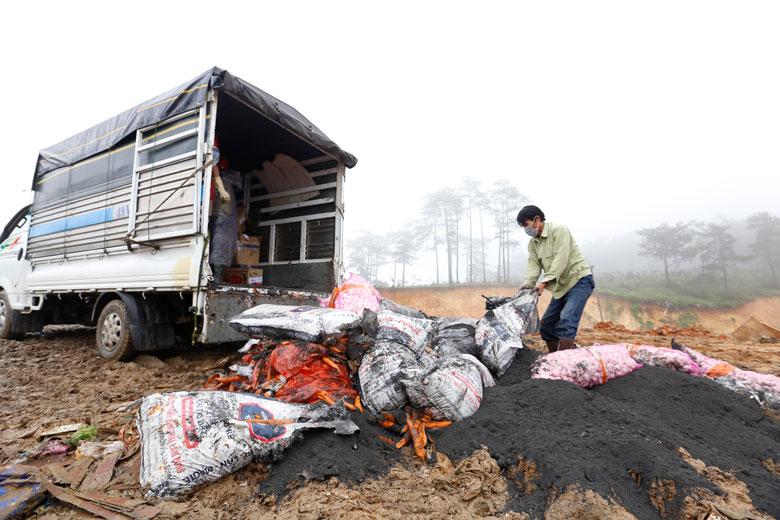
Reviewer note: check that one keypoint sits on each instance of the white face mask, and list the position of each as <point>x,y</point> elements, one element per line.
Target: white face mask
<point>531,231</point>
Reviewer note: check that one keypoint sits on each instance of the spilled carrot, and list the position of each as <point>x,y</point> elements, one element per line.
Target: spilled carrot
<point>330,362</point>
<point>434,425</point>
<point>386,440</point>
<point>403,442</point>
<point>325,397</point>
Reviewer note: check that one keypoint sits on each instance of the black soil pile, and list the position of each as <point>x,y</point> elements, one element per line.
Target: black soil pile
<point>322,454</point>
<point>620,438</point>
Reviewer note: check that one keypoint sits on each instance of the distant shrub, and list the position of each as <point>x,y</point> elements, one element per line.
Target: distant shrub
<point>687,290</point>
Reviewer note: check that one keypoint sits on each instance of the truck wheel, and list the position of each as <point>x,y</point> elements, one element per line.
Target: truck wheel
<point>113,332</point>
<point>5,318</point>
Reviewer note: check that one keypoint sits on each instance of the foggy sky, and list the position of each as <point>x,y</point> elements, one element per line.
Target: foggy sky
<point>611,116</point>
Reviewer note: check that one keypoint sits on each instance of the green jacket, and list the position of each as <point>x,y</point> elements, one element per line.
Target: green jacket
<point>556,253</point>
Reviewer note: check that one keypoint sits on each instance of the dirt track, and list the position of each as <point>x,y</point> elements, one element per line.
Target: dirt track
<point>58,380</point>
<point>61,380</point>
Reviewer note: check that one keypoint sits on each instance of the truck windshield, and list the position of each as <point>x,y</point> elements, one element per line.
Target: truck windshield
<point>15,222</point>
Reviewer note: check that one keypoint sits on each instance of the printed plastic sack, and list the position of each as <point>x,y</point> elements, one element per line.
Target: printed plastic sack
<point>765,398</point>
<point>188,438</point>
<point>384,373</point>
<point>303,373</point>
<point>500,331</point>
<point>451,388</point>
<point>413,333</point>
<point>764,388</point>
<point>585,367</point>
<point>664,357</point>
<point>494,302</point>
<point>711,367</point>
<point>389,305</point>
<point>757,381</point>
<point>355,294</point>
<point>454,336</point>
<point>305,323</point>
<point>361,338</point>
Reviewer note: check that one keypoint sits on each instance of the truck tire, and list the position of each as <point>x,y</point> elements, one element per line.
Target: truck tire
<point>6,321</point>
<point>113,332</point>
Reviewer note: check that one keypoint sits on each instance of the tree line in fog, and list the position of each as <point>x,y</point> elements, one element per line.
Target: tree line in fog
<point>470,231</point>
<point>468,234</point>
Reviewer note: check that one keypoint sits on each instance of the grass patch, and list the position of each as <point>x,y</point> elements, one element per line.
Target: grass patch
<point>686,290</point>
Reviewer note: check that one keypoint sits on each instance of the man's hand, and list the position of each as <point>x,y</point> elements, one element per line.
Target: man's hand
<point>541,286</point>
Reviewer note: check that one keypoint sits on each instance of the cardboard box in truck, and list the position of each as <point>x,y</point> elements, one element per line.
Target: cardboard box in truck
<point>248,250</point>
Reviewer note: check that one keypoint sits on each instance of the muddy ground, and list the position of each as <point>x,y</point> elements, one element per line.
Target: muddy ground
<point>47,381</point>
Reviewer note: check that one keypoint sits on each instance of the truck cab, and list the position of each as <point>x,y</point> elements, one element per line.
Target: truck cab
<point>131,231</point>
<point>14,268</point>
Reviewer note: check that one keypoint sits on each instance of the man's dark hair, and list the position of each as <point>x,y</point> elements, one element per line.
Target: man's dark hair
<point>529,213</point>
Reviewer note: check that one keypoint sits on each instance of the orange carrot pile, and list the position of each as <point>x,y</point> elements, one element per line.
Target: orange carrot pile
<point>413,430</point>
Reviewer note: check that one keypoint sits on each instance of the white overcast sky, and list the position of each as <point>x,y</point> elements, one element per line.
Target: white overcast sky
<point>609,115</point>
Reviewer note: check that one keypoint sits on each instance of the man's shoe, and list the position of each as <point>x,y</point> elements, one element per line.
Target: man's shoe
<point>566,344</point>
<point>552,345</point>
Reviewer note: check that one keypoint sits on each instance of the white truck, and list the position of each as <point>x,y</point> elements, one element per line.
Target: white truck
<point>118,233</point>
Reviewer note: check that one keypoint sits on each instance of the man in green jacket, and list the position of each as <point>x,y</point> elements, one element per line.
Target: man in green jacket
<point>567,276</point>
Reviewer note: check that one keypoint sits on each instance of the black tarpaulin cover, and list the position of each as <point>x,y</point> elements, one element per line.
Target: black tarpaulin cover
<point>187,96</point>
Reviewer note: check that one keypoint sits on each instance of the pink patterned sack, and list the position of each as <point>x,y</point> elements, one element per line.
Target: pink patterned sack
<point>585,367</point>
<point>711,367</point>
<point>677,360</point>
<point>764,388</point>
<point>757,381</point>
<point>355,294</point>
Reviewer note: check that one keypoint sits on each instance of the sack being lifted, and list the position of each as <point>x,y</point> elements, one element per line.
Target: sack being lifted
<point>188,438</point>
<point>499,333</point>
<point>305,323</point>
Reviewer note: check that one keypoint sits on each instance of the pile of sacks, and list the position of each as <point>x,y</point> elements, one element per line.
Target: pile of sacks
<point>428,363</point>
<point>300,369</point>
<point>442,365</point>
<point>402,357</point>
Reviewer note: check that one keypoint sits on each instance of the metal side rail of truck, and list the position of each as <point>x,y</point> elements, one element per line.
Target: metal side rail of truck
<point>121,231</point>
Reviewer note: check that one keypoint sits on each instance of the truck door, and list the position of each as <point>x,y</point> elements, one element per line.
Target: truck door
<point>168,178</point>
<point>14,267</point>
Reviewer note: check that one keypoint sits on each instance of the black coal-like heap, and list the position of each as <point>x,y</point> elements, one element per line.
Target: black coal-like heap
<point>636,423</point>
<point>593,438</point>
